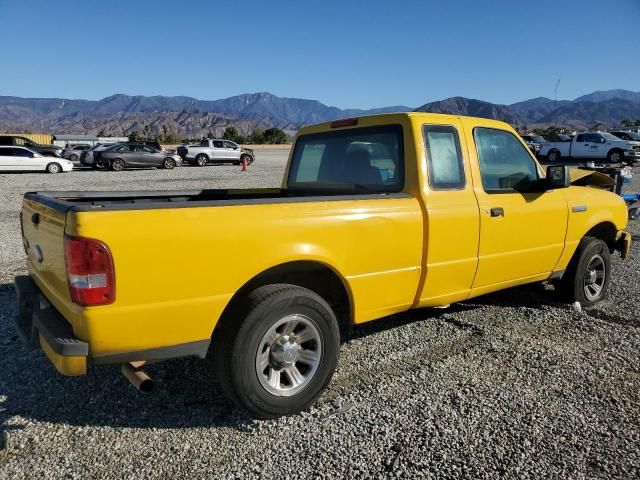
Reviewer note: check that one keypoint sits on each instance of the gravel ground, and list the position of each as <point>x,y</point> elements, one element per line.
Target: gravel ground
<point>514,384</point>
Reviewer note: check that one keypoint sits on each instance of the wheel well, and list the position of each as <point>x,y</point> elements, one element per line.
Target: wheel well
<point>315,276</point>
<point>605,231</point>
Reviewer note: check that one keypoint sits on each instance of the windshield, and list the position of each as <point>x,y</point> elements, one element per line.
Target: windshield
<point>609,137</point>
<point>358,159</point>
<point>632,135</point>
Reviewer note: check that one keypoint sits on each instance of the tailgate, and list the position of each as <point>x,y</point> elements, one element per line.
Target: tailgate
<point>43,236</point>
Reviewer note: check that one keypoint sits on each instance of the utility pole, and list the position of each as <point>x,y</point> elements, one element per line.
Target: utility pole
<point>555,104</point>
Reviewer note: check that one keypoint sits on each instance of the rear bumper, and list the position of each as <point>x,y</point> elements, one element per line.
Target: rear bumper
<point>39,324</point>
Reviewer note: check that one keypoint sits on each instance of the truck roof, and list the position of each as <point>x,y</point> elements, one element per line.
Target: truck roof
<point>387,118</point>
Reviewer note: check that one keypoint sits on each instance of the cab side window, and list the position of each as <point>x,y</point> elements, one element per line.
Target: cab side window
<point>444,157</point>
<point>505,164</point>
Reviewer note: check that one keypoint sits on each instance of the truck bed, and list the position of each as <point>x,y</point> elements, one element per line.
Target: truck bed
<point>141,200</point>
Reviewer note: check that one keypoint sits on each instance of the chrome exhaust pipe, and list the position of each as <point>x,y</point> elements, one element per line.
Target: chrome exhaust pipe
<point>137,377</point>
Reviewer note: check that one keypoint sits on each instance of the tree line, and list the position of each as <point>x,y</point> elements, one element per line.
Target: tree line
<point>270,136</point>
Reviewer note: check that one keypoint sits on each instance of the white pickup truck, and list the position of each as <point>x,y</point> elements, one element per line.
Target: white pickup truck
<point>215,151</point>
<point>592,146</point>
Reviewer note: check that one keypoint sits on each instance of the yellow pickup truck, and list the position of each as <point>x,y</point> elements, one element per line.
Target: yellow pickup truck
<point>376,215</point>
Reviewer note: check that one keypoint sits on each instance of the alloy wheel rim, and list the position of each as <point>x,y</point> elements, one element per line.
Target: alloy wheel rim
<point>594,278</point>
<point>288,356</point>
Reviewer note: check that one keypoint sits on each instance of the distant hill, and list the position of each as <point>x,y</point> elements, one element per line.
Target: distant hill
<point>474,108</point>
<point>121,114</point>
<point>190,117</point>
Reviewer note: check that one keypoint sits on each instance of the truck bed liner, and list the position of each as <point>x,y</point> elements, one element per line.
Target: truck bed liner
<point>142,200</point>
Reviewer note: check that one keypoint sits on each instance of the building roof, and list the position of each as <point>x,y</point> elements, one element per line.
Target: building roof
<point>88,138</point>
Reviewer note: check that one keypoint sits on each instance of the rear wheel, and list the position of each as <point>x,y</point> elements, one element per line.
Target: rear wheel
<point>73,157</point>
<point>168,163</point>
<point>615,156</point>
<point>589,273</point>
<point>277,353</point>
<point>54,168</point>
<point>201,160</point>
<point>553,156</point>
<point>117,165</point>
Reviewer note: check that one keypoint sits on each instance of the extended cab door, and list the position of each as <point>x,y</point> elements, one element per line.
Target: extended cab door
<point>588,145</point>
<point>522,231</point>
<point>452,223</point>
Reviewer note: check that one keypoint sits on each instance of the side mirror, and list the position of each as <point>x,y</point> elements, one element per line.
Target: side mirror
<point>558,176</point>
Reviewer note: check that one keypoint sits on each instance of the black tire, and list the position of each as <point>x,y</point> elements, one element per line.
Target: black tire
<point>592,255</point>
<point>117,165</point>
<point>615,156</point>
<point>242,334</point>
<point>54,167</point>
<point>168,163</point>
<point>202,160</point>
<point>554,156</point>
<point>248,158</point>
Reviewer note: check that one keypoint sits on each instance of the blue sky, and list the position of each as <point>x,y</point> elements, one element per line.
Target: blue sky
<point>345,53</point>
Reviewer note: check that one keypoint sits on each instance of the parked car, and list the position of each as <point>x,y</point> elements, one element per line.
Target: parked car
<point>215,151</point>
<point>558,137</point>
<point>21,159</point>
<point>73,152</point>
<point>87,158</point>
<point>595,146</point>
<point>534,142</point>
<point>361,229</point>
<point>631,137</point>
<point>46,150</point>
<point>132,155</point>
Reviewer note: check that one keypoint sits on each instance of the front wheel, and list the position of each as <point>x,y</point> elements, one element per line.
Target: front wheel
<point>248,158</point>
<point>54,168</point>
<point>589,273</point>
<point>168,163</point>
<point>278,351</point>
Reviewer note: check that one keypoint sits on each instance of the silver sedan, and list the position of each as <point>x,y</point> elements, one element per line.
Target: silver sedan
<point>137,155</point>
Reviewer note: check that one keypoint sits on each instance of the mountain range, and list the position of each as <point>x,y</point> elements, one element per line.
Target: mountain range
<point>189,117</point>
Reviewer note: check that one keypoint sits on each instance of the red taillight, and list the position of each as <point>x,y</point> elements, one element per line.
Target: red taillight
<point>347,122</point>
<point>90,271</point>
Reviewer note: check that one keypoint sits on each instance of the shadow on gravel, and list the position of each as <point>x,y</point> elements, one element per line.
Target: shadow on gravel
<point>187,394</point>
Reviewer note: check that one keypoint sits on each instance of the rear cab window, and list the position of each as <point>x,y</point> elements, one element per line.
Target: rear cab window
<point>444,157</point>
<point>362,160</point>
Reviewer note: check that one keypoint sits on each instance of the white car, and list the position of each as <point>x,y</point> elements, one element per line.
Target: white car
<point>596,146</point>
<point>21,159</point>
<point>215,150</point>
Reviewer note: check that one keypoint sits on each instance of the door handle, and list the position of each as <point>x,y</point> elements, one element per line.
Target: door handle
<point>497,212</point>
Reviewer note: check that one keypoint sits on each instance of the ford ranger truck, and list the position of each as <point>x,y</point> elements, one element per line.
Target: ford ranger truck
<point>376,215</point>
